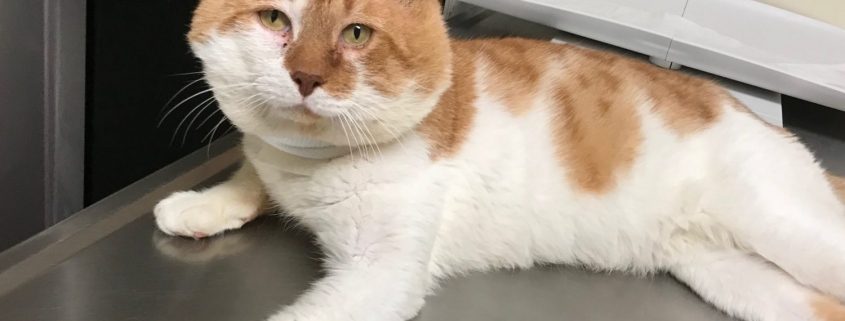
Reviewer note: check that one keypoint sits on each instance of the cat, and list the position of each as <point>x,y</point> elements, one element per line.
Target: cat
<point>412,157</point>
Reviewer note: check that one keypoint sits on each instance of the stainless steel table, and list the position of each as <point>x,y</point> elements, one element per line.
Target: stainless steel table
<point>110,263</point>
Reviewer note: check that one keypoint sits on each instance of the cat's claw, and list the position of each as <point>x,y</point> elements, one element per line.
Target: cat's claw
<point>202,214</point>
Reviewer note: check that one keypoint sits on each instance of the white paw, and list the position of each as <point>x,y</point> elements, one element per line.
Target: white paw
<point>203,214</point>
<point>325,313</point>
<point>283,316</point>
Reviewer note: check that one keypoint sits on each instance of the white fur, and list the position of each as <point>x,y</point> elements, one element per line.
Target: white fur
<point>746,286</point>
<point>718,208</point>
<point>212,211</point>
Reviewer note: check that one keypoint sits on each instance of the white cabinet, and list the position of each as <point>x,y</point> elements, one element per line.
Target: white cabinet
<point>748,41</point>
<point>637,25</point>
<point>830,11</point>
<point>766,46</point>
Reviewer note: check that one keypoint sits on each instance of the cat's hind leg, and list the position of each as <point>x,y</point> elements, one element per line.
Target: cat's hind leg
<point>777,201</point>
<point>748,287</point>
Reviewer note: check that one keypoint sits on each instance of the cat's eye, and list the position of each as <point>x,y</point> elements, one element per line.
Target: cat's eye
<point>274,20</point>
<point>357,34</point>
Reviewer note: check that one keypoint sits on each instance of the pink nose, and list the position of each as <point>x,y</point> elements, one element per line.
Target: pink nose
<point>307,82</point>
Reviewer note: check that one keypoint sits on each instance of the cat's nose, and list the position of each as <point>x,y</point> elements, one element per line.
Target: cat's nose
<point>307,82</point>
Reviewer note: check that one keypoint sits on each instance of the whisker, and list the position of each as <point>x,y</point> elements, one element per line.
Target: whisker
<point>186,73</point>
<point>208,118</point>
<point>204,121</point>
<point>359,137</point>
<point>373,142</point>
<point>348,142</point>
<point>179,92</point>
<point>240,85</point>
<point>389,129</point>
<point>355,132</point>
<point>256,104</point>
<point>356,148</point>
<point>209,102</point>
<point>180,104</point>
<point>229,130</point>
<point>211,136</point>
<point>188,115</point>
<point>211,133</point>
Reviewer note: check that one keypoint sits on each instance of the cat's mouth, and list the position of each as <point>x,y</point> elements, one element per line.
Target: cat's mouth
<point>303,114</point>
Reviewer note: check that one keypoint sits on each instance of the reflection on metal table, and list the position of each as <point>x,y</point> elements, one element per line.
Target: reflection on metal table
<point>110,263</point>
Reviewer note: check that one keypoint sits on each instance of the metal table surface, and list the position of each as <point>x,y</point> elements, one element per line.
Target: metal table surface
<point>110,263</point>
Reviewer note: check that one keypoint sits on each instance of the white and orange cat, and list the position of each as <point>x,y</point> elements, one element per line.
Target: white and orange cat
<point>413,157</point>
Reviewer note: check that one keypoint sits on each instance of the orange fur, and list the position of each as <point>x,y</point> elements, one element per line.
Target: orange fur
<point>514,70</point>
<point>410,48</point>
<point>448,125</point>
<point>316,50</point>
<point>223,16</point>
<point>838,184</point>
<point>828,309</point>
<point>404,47</point>
<point>597,126</point>
<point>687,103</point>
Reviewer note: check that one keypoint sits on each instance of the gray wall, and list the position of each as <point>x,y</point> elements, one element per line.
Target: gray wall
<point>41,107</point>
<point>64,108</point>
<point>21,120</point>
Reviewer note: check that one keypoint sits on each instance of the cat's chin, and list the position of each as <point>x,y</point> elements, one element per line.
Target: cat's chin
<point>300,114</point>
<point>305,114</point>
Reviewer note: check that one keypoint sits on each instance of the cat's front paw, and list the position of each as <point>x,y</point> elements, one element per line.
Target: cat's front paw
<point>283,316</point>
<point>327,314</point>
<point>203,214</point>
<point>295,316</point>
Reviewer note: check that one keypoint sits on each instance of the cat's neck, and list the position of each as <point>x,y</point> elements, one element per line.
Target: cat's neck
<point>305,147</point>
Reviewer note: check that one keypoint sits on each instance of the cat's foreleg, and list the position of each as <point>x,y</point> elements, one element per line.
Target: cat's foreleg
<point>208,212</point>
<point>378,247</point>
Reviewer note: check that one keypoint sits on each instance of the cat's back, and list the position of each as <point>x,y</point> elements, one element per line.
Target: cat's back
<point>518,70</point>
<point>593,113</point>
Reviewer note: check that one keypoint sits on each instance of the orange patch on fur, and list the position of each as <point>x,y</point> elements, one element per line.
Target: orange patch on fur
<point>838,184</point>
<point>407,45</point>
<point>599,129</point>
<point>514,70</point>
<point>828,309</point>
<point>385,71</point>
<point>686,103</point>
<point>316,50</point>
<point>596,123</point>
<point>223,15</point>
<point>448,125</point>
<point>410,48</point>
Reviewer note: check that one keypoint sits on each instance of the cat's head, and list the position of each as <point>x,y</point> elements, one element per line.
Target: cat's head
<point>324,67</point>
